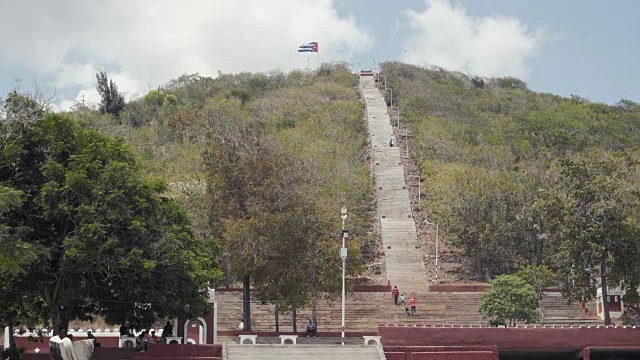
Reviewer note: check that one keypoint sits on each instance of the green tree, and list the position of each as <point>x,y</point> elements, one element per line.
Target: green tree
<point>592,215</point>
<point>13,251</point>
<point>277,235</point>
<point>111,244</point>
<point>17,306</point>
<point>112,101</point>
<point>509,299</point>
<point>538,276</point>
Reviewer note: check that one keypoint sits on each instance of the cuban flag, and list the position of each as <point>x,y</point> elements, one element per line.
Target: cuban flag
<point>309,47</point>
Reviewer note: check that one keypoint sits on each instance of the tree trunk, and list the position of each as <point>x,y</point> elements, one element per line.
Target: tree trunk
<point>246,303</point>
<point>276,314</point>
<point>605,303</point>
<point>13,350</point>
<point>60,320</point>
<point>314,315</point>
<point>225,268</point>
<point>294,316</point>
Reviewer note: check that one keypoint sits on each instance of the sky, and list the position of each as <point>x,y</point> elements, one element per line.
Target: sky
<point>583,47</point>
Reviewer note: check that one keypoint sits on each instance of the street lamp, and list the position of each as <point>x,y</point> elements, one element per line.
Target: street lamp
<point>343,256</point>
<point>437,228</point>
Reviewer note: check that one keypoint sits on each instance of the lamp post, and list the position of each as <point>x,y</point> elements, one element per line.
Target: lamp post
<point>343,256</point>
<point>437,228</point>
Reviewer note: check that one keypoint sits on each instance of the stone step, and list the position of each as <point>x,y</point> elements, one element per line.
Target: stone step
<point>301,340</point>
<point>291,352</point>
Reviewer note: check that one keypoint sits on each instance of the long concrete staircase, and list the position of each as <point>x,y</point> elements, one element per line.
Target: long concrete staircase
<point>365,311</point>
<point>299,352</point>
<point>403,259</point>
<point>404,263</point>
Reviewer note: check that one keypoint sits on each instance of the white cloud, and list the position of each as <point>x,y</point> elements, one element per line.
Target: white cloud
<point>445,35</point>
<point>144,43</point>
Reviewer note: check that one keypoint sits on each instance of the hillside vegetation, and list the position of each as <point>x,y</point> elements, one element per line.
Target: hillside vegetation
<point>502,164</point>
<point>305,125</point>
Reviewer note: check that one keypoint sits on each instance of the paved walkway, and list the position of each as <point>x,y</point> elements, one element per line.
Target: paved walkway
<point>403,258</point>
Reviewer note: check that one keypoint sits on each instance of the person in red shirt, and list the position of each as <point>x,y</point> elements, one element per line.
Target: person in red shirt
<point>395,293</point>
<point>414,305</point>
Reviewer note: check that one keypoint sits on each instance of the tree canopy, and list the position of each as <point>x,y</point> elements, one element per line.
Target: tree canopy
<point>509,300</point>
<point>108,242</point>
<point>112,101</point>
<point>592,214</point>
<point>488,155</point>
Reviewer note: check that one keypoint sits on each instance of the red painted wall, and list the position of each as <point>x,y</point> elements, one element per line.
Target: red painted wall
<point>43,343</point>
<point>441,353</point>
<point>455,288</point>
<point>511,339</point>
<point>193,332</point>
<point>466,355</point>
<point>178,329</point>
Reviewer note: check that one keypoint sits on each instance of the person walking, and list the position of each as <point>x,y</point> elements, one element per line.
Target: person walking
<point>402,299</point>
<point>414,306</point>
<point>395,293</point>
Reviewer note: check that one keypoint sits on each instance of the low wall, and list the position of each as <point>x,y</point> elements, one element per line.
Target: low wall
<point>177,352</point>
<point>42,343</point>
<point>354,288</point>
<point>475,288</point>
<point>154,351</point>
<point>528,338</point>
<point>441,352</point>
<point>99,353</point>
<point>350,334</point>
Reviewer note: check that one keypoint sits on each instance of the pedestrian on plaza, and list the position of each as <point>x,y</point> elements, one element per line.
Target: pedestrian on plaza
<point>167,331</point>
<point>90,336</point>
<point>395,293</point>
<point>414,306</point>
<point>311,329</point>
<point>153,339</point>
<point>402,299</point>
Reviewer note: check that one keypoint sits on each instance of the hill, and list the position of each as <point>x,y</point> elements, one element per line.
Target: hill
<point>487,152</point>
<point>314,116</point>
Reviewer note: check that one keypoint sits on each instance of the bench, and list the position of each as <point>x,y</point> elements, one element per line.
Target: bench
<point>125,339</point>
<point>253,338</point>
<point>375,339</point>
<point>173,340</point>
<point>284,338</point>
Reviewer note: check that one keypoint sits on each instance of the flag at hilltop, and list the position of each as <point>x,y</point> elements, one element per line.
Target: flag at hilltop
<point>309,47</point>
